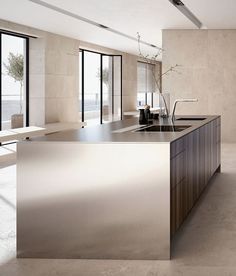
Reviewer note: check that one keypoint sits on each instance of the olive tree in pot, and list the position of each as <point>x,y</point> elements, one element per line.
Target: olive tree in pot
<point>105,80</point>
<point>15,69</point>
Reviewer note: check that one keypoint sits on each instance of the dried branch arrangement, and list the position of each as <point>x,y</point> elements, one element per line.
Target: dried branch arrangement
<point>157,77</point>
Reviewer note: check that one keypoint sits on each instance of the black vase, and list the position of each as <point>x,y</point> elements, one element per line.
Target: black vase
<point>142,117</point>
<point>147,114</point>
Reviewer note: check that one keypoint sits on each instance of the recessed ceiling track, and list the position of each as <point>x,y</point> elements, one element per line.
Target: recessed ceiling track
<point>78,17</point>
<point>181,7</point>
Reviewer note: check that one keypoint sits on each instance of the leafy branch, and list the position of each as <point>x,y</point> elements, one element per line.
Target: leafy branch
<point>15,69</point>
<point>105,75</point>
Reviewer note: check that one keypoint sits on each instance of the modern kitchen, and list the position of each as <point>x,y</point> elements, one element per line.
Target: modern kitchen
<point>117,139</point>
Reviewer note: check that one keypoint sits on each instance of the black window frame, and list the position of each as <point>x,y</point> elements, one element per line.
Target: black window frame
<point>101,82</point>
<point>2,32</point>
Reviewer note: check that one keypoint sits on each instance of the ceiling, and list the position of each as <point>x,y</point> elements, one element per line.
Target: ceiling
<point>148,17</point>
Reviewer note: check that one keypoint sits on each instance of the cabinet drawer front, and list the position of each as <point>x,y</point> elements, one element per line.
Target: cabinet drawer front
<point>177,147</point>
<point>178,169</point>
<point>194,159</point>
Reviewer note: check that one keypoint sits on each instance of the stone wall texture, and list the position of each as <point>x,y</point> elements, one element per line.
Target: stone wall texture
<point>207,72</point>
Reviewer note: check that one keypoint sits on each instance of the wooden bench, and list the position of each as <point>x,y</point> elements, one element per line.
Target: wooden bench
<point>21,133</point>
<point>33,131</point>
<point>8,155</point>
<point>56,127</point>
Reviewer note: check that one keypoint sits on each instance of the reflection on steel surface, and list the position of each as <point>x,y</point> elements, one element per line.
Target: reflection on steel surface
<point>77,200</point>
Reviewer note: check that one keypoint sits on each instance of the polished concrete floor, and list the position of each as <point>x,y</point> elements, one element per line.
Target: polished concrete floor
<point>205,245</point>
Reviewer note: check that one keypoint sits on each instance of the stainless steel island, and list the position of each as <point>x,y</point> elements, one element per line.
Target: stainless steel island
<point>110,192</point>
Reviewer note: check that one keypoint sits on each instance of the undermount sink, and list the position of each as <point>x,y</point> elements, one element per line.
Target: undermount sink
<point>190,119</point>
<point>162,128</point>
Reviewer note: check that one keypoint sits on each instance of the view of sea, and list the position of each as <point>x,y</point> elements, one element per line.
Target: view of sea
<point>9,107</point>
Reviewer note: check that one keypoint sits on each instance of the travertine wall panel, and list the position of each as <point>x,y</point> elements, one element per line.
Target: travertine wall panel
<point>207,72</point>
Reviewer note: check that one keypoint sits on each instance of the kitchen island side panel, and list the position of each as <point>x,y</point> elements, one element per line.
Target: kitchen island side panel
<point>93,200</point>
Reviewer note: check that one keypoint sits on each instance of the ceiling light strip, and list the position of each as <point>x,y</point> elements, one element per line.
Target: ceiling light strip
<point>81,18</point>
<point>184,10</point>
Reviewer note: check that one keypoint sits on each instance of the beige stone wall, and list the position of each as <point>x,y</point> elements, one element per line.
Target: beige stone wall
<point>208,72</point>
<point>54,75</point>
<point>61,79</point>
<point>37,81</point>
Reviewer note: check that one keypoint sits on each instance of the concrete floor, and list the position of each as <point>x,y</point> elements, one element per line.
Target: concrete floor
<point>205,245</point>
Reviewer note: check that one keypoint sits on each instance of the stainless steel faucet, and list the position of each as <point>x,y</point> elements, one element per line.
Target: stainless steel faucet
<point>180,100</point>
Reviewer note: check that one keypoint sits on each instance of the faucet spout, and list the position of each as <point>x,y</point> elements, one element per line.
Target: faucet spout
<point>180,100</point>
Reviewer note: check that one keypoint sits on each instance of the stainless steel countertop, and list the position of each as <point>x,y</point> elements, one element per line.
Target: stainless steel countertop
<point>105,133</point>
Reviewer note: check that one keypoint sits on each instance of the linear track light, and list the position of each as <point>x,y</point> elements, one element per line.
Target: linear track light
<point>78,17</point>
<point>182,8</point>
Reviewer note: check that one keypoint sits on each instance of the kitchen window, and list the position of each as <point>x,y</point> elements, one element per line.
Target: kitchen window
<point>145,83</point>
<point>14,80</point>
<point>100,82</point>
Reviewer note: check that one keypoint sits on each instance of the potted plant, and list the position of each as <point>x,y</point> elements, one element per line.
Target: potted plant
<point>105,80</point>
<point>15,69</point>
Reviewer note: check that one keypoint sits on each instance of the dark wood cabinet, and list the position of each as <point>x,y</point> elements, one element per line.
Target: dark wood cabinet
<point>194,160</point>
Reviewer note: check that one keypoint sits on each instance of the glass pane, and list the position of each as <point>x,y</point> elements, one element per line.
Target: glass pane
<point>92,88</point>
<point>110,78</point>
<point>107,88</point>
<point>111,88</point>
<point>13,82</point>
<point>149,99</point>
<point>141,101</point>
<point>80,84</point>
<point>150,78</point>
<point>117,88</point>
<point>142,77</point>
<point>145,83</point>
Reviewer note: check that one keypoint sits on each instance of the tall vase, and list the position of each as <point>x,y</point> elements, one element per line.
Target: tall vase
<point>164,103</point>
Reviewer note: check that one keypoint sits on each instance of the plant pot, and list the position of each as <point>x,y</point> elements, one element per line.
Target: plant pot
<point>17,120</point>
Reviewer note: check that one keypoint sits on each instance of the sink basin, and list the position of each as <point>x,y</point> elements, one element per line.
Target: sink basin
<point>162,128</point>
<point>190,119</point>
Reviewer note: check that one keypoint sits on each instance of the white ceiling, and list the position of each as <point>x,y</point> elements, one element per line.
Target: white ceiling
<point>148,17</point>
